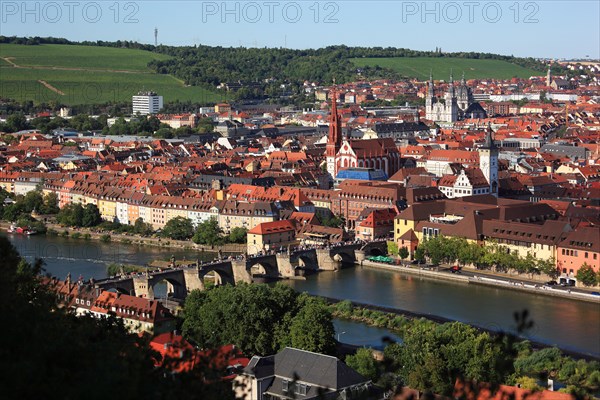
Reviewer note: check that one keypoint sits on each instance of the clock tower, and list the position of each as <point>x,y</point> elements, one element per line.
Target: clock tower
<point>488,160</point>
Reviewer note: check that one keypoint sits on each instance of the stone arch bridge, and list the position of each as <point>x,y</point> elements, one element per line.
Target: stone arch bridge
<point>183,279</point>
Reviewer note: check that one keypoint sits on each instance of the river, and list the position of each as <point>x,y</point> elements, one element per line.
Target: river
<point>568,324</point>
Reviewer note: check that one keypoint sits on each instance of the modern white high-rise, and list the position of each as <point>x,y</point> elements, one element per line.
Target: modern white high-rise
<point>146,103</point>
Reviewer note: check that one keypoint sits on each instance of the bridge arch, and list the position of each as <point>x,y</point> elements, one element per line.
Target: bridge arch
<point>262,267</point>
<point>307,261</point>
<point>217,276</point>
<point>119,289</point>
<point>346,257</point>
<point>169,287</point>
<point>375,251</point>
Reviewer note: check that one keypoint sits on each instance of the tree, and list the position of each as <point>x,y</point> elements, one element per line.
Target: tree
<point>178,228</point>
<point>586,275</point>
<point>420,254</point>
<point>432,356</point>
<point>70,215</point>
<point>392,248</point>
<point>548,267</point>
<point>312,328</point>
<point>364,363</point>
<point>16,122</point>
<point>403,252</point>
<point>469,253</point>
<point>205,125</point>
<point>142,228</point>
<point>32,201</point>
<point>48,350</point>
<point>238,235</point>
<point>208,232</point>
<point>91,216</point>
<point>249,316</point>
<point>335,221</point>
<point>50,204</point>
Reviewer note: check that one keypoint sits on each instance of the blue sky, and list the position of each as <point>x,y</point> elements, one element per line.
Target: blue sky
<point>555,29</point>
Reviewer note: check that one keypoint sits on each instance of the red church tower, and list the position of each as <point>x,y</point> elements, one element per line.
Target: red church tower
<point>334,138</point>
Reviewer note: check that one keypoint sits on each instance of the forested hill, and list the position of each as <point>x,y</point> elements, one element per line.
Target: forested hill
<point>268,68</point>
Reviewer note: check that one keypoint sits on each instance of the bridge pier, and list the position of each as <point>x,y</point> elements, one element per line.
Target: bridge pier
<point>360,256</point>
<point>284,266</point>
<point>191,277</point>
<point>326,262</point>
<point>142,287</point>
<point>240,273</point>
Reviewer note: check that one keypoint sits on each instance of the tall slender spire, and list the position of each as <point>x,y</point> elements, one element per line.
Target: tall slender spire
<point>335,122</point>
<point>451,85</point>
<point>489,139</point>
<point>430,85</point>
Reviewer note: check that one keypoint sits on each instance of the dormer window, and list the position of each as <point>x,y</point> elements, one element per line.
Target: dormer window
<point>301,389</point>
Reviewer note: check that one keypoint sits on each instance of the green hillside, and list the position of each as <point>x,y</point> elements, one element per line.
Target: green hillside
<point>87,75</point>
<point>419,67</point>
<point>73,56</point>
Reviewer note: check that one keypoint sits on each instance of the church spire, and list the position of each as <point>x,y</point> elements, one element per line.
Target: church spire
<point>462,81</point>
<point>451,92</point>
<point>489,139</point>
<point>430,86</point>
<point>335,122</point>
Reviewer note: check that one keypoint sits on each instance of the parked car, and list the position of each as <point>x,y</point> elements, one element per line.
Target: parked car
<point>551,283</point>
<point>595,293</point>
<point>455,269</point>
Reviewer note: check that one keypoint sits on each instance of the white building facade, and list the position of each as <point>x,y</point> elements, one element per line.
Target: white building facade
<point>145,103</point>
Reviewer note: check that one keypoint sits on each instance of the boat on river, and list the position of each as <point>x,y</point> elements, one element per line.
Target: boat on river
<point>21,230</point>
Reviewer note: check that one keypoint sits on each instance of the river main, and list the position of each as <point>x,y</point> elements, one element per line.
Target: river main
<point>568,324</point>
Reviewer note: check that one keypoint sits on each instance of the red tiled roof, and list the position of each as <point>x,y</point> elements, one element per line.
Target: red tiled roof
<point>272,227</point>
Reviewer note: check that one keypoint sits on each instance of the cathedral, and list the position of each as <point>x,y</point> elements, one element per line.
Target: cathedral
<point>342,153</point>
<point>456,104</point>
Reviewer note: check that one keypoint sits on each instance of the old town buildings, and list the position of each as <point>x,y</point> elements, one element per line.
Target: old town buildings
<point>526,176</point>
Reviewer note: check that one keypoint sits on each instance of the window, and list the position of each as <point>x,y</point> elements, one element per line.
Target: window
<point>301,389</point>
<point>586,254</point>
<point>284,385</point>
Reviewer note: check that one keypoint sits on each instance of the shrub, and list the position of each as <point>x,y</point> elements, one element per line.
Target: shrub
<point>105,238</point>
<point>76,235</point>
<point>344,307</point>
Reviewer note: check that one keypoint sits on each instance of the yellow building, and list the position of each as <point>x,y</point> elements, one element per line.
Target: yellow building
<point>271,235</point>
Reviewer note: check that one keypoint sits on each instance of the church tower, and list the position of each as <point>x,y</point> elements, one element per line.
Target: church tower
<point>488,161</point>
<point>451,109</point>
<point>430,99</point>
<point>548,78</point>
<point>334,138</point>
<point>464,97</point>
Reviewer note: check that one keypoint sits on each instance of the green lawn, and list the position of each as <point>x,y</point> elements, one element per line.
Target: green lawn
<point>419,67</point>
<point>89,57</point>
<point>88,86</point>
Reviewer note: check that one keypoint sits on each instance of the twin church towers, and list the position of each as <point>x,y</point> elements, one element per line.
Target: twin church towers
<point>456,104</point>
